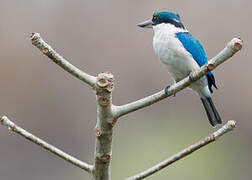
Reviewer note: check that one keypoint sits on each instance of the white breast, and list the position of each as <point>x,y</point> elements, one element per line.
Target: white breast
<point>173,55</point>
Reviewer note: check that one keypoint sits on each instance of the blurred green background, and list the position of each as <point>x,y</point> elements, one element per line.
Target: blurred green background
<point>100,36</point>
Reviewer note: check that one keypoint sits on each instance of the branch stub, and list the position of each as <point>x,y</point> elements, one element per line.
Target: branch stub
<point>35,37</point>
<point>97,132</point>
<point>210,67</point>
<point>106,80</point>
<point>232,123</point>
<point>236,44</point>
<point>104,157</point>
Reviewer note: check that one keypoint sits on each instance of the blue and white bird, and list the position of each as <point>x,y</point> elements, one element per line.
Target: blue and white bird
<point>181,53</point>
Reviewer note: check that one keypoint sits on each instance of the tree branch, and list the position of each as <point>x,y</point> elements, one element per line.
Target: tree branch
<point>104,126</point>
<point>62,62</point>
<point>230,125</point>
<point>15,128</point>
<point>232,47</point>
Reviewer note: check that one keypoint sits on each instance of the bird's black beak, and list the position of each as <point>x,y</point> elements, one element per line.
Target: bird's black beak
<point>146,24</point>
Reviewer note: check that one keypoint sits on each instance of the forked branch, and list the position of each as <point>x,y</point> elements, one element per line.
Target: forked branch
<point>15,128</point>
<point>230,125</point>
<point>107,113</point>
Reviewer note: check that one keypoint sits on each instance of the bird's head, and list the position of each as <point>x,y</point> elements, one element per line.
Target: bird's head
<point>163,17</point>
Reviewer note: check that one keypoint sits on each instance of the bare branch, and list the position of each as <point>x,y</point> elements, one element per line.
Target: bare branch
<point>232,47</point>
<point>104,126</point>
<point>62,62</point>
<point>230,125</point>
<point>13,127</point>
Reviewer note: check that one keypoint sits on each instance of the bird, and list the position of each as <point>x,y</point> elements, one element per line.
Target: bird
<point>181,53</point>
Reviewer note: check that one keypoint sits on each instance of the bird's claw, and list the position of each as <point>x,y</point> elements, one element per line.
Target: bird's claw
<point>191,76</point>
<point>166,90</point>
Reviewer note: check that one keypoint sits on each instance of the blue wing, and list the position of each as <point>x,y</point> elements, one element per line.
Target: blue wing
<point>193,46</point>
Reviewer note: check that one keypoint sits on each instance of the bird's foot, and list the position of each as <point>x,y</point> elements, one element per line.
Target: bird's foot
<point>166,90</point>
<point>191,76</point>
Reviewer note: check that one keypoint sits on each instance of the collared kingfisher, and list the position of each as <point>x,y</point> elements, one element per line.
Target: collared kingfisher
<point>181,53</point>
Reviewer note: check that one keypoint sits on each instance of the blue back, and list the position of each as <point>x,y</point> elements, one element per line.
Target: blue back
<point>193,46</point>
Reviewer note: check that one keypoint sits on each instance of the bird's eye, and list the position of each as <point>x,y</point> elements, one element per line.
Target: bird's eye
<point>154,18</point>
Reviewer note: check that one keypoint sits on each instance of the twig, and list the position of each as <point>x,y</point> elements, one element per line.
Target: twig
<point>230,125</point>
<point>62,62</point>
<point>232,47</point>
<point>15,128</point>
